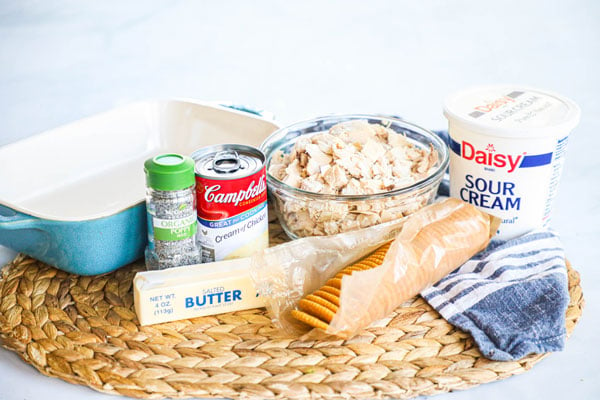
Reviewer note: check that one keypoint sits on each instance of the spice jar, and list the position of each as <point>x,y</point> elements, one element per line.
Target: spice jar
<point>171,212</point>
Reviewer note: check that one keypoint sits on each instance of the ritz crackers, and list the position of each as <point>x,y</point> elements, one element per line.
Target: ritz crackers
<point>231,191</point>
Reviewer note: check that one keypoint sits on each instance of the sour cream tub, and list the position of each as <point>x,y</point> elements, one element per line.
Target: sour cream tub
<point>508,147</point>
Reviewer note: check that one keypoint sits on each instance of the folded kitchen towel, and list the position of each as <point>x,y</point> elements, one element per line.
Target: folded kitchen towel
<point>511,297</point>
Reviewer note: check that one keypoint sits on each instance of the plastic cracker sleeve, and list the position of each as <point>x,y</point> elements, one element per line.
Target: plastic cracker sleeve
<point>428,245</point>
<point>285,273</point>
<point>432,243</point>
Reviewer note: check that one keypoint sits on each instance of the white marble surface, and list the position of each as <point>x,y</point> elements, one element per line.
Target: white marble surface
<point>62,60</point>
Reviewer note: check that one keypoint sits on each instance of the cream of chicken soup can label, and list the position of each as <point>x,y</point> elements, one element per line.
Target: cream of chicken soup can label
<point>232,201</point>
<point>508,146</point>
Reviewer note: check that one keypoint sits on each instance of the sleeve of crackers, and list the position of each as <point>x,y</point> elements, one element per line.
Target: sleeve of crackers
<point>285,273</point>
<point>432,243</point>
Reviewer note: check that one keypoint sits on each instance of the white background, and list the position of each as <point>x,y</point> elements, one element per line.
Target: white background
<point>62,60</point>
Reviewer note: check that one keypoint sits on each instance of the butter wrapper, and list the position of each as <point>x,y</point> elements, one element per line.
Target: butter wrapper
<point>194,291</point>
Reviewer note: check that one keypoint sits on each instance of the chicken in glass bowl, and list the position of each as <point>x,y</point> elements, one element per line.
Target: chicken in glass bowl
<point>344,172</point>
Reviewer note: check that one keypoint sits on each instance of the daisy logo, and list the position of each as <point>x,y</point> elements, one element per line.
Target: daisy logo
<point>489,156</point>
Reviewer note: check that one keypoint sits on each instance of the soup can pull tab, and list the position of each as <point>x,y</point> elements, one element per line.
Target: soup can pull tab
<point>226,162</point>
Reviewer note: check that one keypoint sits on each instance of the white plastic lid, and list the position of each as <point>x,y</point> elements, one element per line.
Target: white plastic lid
<point>512,111</point>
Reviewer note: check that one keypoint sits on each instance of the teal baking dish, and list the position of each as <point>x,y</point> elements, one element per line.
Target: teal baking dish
<point>73,197</point>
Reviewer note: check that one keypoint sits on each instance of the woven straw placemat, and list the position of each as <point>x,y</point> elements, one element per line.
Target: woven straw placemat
<point>84,330</point>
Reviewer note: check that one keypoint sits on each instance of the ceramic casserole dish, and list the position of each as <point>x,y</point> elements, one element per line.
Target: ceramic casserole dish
<point>73,197</point>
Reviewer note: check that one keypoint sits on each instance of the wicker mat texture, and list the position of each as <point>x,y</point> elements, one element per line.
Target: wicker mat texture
<point>84,330</point>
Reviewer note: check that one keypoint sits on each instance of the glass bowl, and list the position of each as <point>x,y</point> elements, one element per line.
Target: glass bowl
<point>303,213</point>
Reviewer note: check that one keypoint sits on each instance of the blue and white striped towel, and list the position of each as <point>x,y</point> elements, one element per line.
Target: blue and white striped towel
<point>511,297</point>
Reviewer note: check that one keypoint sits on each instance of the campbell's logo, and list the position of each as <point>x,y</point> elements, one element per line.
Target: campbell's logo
<point>490,157</point>
<point>213,194</point>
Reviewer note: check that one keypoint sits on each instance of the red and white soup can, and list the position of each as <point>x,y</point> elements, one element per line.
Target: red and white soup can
<point>231,190</point>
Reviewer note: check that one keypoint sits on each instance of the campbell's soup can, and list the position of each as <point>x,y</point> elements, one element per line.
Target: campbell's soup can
<point>231,190</point>
<point>508,146</point>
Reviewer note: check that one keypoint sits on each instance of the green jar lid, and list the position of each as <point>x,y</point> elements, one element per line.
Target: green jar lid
<point>169,172</point>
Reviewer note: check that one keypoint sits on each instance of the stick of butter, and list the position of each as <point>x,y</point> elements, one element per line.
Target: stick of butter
<point>194,291</point>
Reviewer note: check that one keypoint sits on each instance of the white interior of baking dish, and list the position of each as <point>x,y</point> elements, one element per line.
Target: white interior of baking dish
<point>93,168</point>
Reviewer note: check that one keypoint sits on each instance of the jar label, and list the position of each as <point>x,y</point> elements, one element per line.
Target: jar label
<point>232,216</point>
<point>174,229</point>
<point>515,180</point>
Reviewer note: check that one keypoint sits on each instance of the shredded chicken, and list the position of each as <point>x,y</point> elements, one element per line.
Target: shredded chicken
<point>352,158</point>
